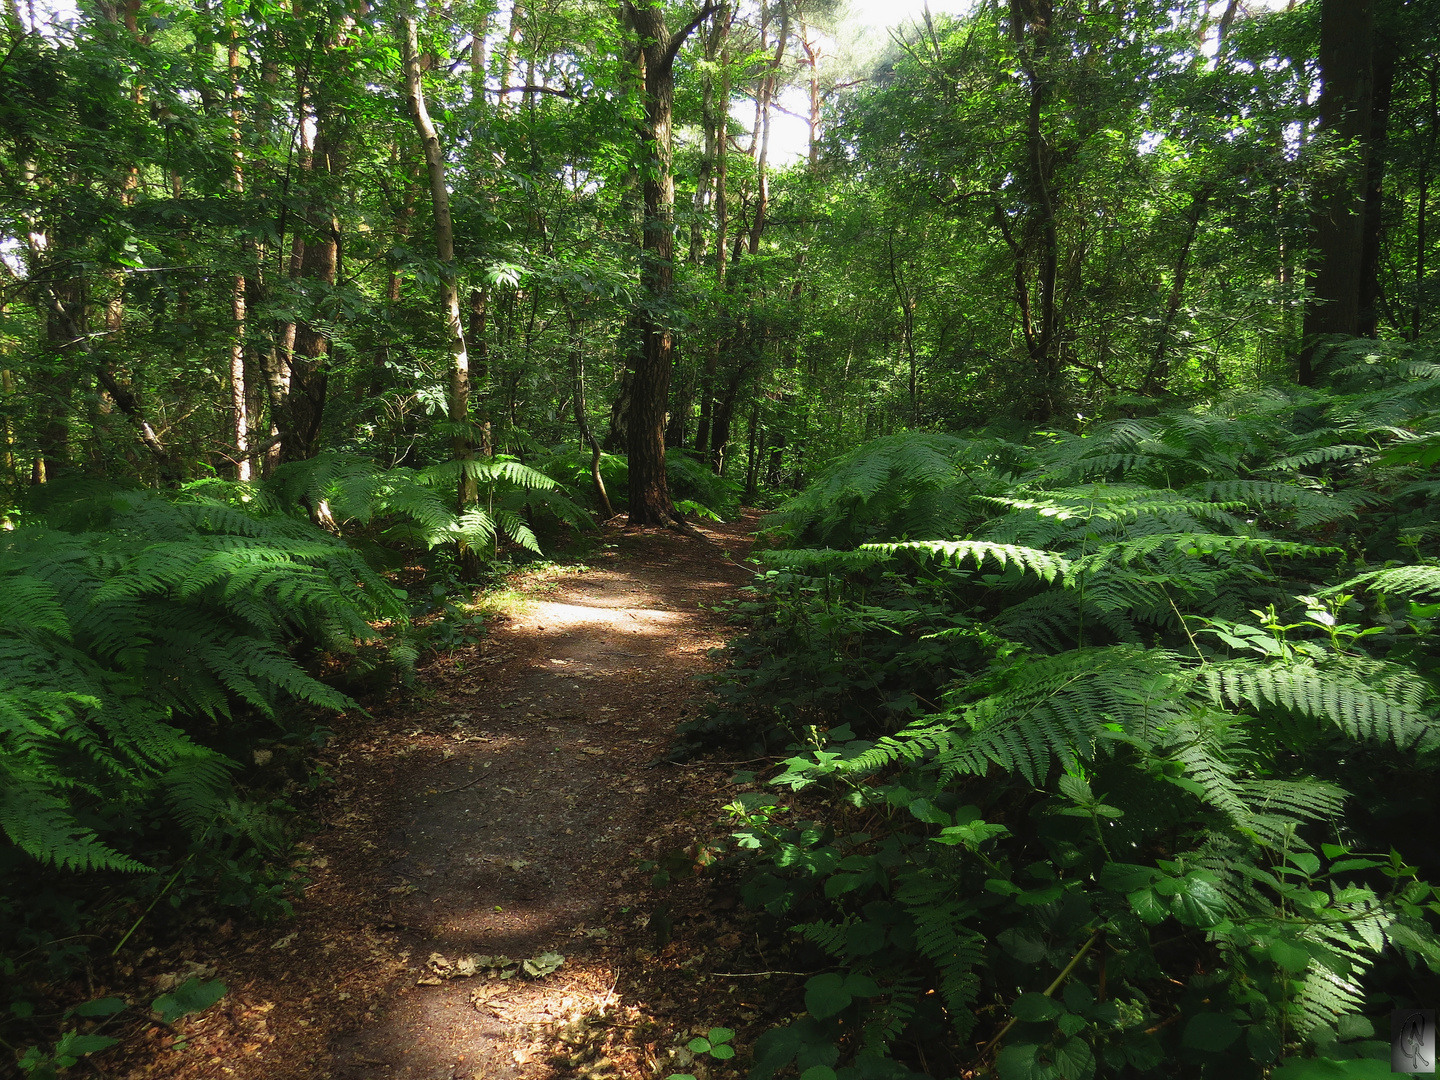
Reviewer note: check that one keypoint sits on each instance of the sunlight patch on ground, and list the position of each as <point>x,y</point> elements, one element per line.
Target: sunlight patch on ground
<point>550,615</point>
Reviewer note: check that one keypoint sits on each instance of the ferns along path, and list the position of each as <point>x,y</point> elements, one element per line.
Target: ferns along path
<point>495,815</point>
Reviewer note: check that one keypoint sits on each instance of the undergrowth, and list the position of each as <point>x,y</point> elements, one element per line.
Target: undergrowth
<point>166,660</point>
<point>1110,754</point>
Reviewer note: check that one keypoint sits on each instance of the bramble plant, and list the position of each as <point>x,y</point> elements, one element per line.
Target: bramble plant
<point>715,1043</point>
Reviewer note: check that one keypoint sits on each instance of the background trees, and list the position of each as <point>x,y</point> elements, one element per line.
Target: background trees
<point>219,255</point>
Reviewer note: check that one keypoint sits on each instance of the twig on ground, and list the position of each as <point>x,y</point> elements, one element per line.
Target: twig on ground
<point>462,787</point>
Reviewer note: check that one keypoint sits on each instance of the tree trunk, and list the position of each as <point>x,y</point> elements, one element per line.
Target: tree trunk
<point>721,121</point>
<point>651,367</point>
<point>1371,294</point>
<point>1422,198</point>
<point>1338,223</point>
<point>763,100</point>
<point>1158,376</point>
<point>480,365</point>
<point>239,403</point>
<point>459,383</point>
<point>458,390</point>
<point>582,419</point>
<point>752,465</point>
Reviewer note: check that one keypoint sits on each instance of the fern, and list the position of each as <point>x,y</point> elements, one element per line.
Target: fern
<point>1419,580</point>
<point>116,644</point>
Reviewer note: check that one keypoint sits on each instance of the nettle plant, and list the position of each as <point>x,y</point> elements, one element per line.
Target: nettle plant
<point>1134,778</point>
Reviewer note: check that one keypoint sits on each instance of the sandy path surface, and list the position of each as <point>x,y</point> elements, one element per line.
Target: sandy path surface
<point>499,813</point>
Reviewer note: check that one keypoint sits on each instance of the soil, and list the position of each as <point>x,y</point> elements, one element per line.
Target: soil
<point>500,813</point>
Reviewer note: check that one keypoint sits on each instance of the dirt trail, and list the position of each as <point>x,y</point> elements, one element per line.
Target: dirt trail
<point>502,817</point>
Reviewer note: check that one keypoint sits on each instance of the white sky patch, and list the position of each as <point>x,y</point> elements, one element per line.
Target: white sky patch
<point>863,32</point>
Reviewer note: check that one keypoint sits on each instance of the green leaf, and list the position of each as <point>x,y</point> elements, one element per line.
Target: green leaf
<point>1210,1031</point>
<point>1022,944</point>
<point>73,1045</point>
<point>718,1035</point>
<point>1017,1062</point>
<point>1075,1060</point>
<point>722,1052</point>
<point>1329,1069</point>
<point>1126,877</point>
<point>825,995</point>
<point>1306,861</point>
<point>1199,903</point>
<point>1355,1027</point>
<point>818,1072</point>
<point>699,1046</point>
<point>537,967</point>
<point>861,986</point>
<point>1143,1050</point>
<point>100,1007</point>
<point>1035,1008</point>
<point>191,996</point>
<point>1263,1042</point>
<point>1289,956</point>
<point>1147,905</point>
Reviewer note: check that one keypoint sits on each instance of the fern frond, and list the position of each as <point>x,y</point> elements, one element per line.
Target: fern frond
<point>1354,708</point>
<point>1419,580</point>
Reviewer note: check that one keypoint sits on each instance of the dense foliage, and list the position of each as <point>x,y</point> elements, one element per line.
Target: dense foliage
<point>1131,763</point>
<point>1103,597</point>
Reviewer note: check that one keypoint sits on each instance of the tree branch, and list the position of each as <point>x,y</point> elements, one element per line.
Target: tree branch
<point>677,39</point>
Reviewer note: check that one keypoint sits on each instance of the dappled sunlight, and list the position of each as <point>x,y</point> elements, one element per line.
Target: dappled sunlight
<point>530,798</point>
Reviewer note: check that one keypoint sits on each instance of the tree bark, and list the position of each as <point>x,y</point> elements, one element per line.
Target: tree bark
<point>1338,223</point>
<point>459,383</point>
<point>582,419</point>
<point>1422,238</point>
<point>1371,293</point>
<point>651,366</point>
<point>239,403</point>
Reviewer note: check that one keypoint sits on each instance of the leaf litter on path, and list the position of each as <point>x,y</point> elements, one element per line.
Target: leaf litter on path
<point>546,846</point>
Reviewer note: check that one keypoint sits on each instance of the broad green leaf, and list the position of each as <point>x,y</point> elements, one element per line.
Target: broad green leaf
<point>1034,1008</point>
<point>191,996</point>
<point>1289,956</point>
<point>1210,1031</point>
<point>825,995</point>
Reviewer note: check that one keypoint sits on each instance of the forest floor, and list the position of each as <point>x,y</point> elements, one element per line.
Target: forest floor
<point>499,812</point>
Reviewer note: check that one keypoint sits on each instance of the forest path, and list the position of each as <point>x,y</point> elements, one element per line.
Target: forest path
<point>500,811</point>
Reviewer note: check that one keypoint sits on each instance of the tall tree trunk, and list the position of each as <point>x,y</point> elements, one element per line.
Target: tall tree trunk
<point>721,120</point>
<point>459,382</point>
<point>1031,22</point>
<point>479,349</point>
<point>650,502</point>
<point>458,390</point>
<point>764,100</point>
<point>1158,375</point>
<point>812,61</point>
<point>1371,294</point>
<point>1422,238</point>
<point>582,418</point>
<point>239,403</point>
<point>1338,223</point>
